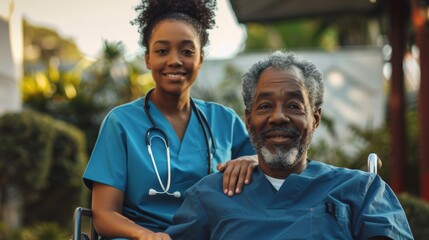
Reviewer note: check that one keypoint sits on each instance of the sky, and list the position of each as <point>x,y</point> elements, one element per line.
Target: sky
<point>89,22</point>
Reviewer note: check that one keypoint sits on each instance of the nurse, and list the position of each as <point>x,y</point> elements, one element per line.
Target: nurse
<point>291,196</point>
<point>151,150</point>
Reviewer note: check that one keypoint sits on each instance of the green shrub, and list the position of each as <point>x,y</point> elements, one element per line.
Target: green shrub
<point>25,152</point>
<point>43,160</point>
<point>45,231</point>
<point>417,212</point>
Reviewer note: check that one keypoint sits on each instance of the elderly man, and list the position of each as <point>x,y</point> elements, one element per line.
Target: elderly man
<point>291,196</point>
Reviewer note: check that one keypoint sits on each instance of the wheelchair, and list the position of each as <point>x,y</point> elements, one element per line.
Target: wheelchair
<point>373,164</point>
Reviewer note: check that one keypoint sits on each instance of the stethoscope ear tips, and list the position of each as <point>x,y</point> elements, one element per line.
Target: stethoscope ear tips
<point>152,192</point>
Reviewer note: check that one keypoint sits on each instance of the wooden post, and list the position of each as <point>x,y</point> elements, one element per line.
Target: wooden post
<point>398,16</point>
<point>420,21</point>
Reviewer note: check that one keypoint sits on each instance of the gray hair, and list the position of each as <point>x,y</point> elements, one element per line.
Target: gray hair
<point>313,78</point>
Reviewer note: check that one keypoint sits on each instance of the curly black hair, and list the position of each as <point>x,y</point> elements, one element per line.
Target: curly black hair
<point>198,13</point>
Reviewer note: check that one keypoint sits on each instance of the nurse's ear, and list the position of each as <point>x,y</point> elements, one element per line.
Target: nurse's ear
<point>201,60</point>
<point>146,58</point>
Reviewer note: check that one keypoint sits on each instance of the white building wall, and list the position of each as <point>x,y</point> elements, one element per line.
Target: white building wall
<point>11,55</point>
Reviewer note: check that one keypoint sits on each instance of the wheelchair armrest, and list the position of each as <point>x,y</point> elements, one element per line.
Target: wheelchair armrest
<point>79,213</point>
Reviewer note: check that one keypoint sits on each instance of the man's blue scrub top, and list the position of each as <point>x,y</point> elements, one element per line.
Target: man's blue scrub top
<point>323,202</point>
<point>120,157</point>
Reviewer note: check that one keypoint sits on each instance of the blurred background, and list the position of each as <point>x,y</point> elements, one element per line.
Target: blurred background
<point>65,64</point>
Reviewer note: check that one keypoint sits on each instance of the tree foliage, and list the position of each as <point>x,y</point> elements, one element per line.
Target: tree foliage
<point>44,44</point>
<point>81,94</point>
<point>320,33</point>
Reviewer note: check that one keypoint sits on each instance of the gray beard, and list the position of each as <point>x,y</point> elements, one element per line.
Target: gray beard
<point>280,159</point>
<point>283,158</point>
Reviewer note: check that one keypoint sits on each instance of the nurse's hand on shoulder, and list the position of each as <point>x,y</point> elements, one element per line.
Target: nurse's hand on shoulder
<point>155,236</point>
<point>236,173</point>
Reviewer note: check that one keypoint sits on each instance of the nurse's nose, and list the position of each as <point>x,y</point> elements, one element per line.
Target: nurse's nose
<point>174,59</point>
<point>278,116</point>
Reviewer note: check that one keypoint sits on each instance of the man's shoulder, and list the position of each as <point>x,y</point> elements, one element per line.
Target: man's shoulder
<point>210,180</point>
<point>342,172</point>
<point>208,185</point>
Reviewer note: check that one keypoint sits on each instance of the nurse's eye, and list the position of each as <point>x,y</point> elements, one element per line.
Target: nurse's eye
<point>188,52</point>
<point>161,51</point>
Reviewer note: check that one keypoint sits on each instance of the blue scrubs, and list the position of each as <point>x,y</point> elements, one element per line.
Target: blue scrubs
<point>120,157</point>
<point>323,202</point>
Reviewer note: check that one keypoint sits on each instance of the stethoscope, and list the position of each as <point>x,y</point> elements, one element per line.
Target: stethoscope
<point>164,138</point>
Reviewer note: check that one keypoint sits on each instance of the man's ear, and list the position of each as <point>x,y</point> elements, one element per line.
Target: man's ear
<point>146,58</point>
<point>317,116</point>
<point>247,115</point>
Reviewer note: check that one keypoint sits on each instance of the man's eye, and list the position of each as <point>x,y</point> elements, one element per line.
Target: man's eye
<point>264,106</point>
<point>296,108</point>
<point>294,105</point>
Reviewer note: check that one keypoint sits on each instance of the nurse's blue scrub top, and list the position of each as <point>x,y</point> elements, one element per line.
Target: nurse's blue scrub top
<point>120,157</point>
<point>322,202</point>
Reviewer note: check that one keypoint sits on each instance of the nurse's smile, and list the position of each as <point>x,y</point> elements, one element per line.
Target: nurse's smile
<point>176,76</point>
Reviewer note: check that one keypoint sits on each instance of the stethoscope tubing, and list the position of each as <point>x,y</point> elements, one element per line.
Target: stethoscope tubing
<point>149,149</point>
<point>202,120</point>
<point>204,126</point>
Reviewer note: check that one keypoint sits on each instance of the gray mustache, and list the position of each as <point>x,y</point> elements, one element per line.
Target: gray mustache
<point>288,131</point>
